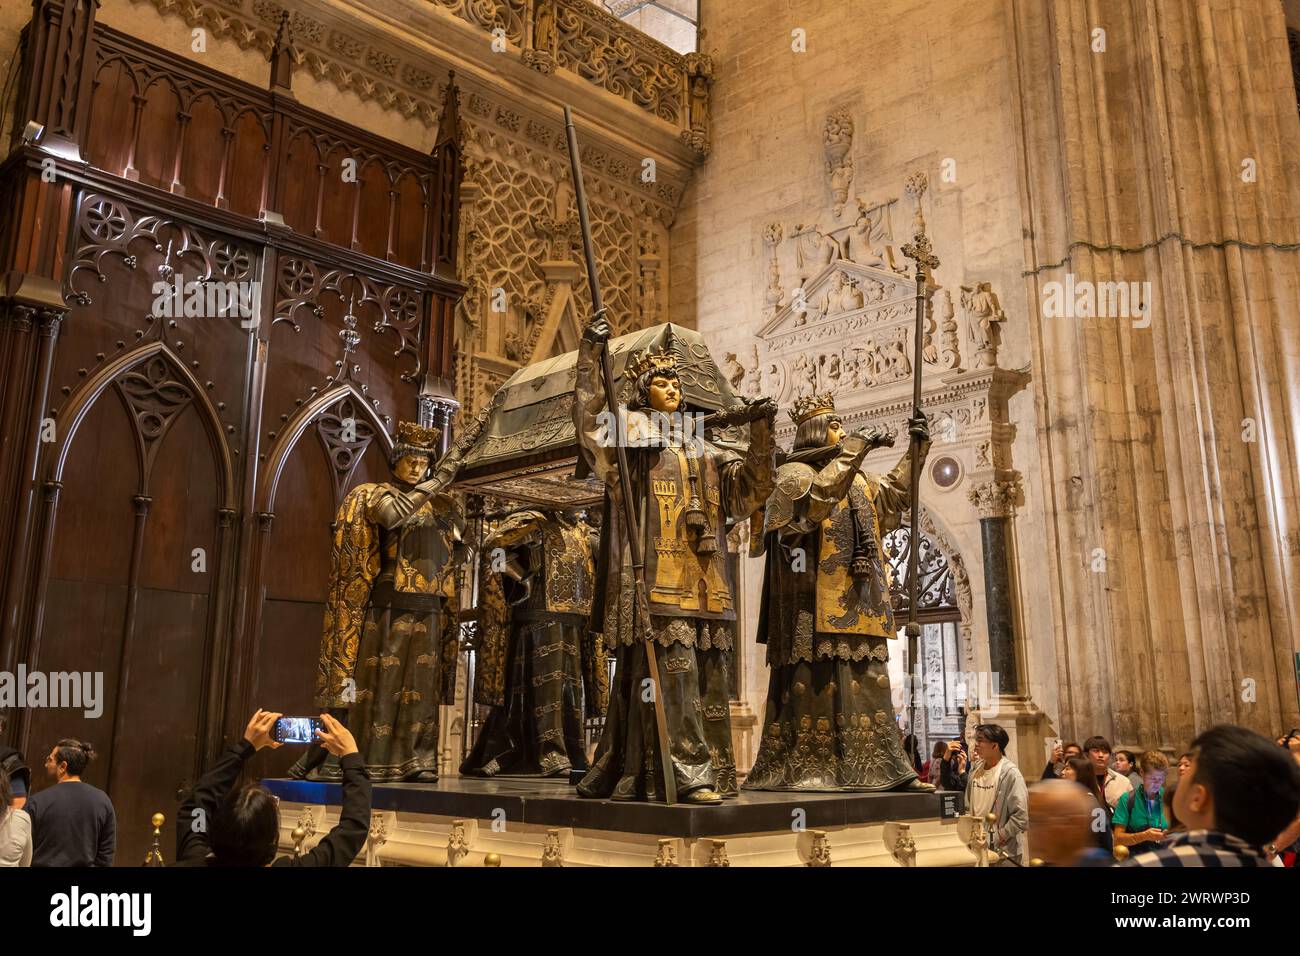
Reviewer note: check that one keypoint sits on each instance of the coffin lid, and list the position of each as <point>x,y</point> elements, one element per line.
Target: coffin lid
<point>527,451</point>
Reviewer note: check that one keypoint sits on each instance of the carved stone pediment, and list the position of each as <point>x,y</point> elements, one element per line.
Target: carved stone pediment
<point>842,296</point>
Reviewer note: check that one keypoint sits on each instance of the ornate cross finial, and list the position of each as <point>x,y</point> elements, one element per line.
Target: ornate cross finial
<point>919,250</point>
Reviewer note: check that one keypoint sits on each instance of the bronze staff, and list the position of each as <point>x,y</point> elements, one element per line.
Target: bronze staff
<point>641,612</point>
<point>918,250</point>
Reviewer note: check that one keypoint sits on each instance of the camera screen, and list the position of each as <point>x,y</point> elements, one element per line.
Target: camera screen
<point>296,730</point>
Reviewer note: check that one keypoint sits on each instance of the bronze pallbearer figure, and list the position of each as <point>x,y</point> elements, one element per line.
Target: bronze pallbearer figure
<point>826,617</point>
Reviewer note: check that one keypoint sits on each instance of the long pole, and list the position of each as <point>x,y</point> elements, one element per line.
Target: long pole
<point>919,251</point>
<point>640,612</point>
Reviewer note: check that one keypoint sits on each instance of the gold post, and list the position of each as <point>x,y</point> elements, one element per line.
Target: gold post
<point>154,857</point>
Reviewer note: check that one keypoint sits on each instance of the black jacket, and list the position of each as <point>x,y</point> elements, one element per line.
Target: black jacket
<point>339,847</point>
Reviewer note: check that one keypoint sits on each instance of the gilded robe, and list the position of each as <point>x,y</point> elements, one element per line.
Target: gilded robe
<point>829,718</point>
<point>389,644</point>
<point>534,649</point>
<point>691,598</point>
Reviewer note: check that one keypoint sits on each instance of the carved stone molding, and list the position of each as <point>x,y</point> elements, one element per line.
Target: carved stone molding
<point>383,67</point>
<point>995,498</point>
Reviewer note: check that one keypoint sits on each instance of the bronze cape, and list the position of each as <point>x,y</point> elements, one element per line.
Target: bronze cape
<point>826,620</point>
<point>534,651</point>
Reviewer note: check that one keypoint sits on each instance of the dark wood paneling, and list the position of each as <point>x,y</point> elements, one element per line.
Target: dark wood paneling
<point>171,430</point>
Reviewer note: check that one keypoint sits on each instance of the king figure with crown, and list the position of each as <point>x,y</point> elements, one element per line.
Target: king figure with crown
<point>388,645</point>
<point>825,614</point>
<point>684,488</point>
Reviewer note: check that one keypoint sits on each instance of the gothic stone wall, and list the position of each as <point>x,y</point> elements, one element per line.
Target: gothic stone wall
<point>1155,541</point>
<point>923,92</point>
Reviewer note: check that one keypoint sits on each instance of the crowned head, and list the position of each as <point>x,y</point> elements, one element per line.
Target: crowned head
<point>817,424</point>
<point>415,449</point>
<point>655,382</point>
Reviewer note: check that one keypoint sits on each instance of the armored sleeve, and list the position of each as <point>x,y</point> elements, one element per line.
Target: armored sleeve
<point>747,482</point>
<point>515,529</point>
<point>892,493</point>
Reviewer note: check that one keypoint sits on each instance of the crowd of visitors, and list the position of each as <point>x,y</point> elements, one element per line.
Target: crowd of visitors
<point>1233,799</point>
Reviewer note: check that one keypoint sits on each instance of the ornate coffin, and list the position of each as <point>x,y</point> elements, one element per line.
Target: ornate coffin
<point>527,451</point>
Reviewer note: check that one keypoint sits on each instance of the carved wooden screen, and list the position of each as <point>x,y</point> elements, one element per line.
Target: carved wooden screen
<point>171,476</point>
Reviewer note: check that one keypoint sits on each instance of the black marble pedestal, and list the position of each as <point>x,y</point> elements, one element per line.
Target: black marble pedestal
<point>553,803</point>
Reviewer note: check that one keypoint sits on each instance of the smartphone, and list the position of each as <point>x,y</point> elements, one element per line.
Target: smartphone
<point>296,730</point>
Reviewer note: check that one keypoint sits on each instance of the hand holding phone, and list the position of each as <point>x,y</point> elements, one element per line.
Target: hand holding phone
<point>295,730</point>
<point>336,738</point>
<point>259,729</point>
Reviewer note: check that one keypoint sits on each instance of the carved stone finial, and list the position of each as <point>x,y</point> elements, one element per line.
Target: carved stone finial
<point>377,837</point>
<point>667,855</point>
<point>718,854</point>
<point>821,849</point>
<point>457,844</point>
<point>552,851</point>
<point>837,142</point>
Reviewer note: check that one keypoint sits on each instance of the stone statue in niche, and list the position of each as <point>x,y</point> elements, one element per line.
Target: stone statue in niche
<point>541,56</point>
<point>983,316</point>
<point>699,68</point>
<point>734,371</point>
<point>837,139</point>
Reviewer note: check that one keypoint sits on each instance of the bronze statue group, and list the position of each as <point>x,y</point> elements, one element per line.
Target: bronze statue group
<point>647,583</point>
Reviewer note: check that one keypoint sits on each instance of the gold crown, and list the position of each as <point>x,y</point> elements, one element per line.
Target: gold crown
<point>649,360</point>
<point>808,406</point>
<point>415,436</point>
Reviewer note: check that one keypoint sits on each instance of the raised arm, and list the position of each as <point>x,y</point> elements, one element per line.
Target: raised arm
<point>592,429</point>
<point>747,483</point>
<point>893,492</point>
<point>197,813</point>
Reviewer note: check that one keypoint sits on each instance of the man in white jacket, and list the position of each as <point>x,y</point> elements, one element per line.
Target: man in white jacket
<point>996,786</point>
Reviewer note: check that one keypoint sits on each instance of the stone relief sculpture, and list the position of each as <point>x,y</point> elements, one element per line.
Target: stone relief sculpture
<point>983,316</point>
<point>773,296</point>
<point>699,73</point>
<point>837,139</point>
<point>541,55</point>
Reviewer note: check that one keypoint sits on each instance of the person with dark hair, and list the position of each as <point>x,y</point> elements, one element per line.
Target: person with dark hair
<point>953,775</point>
<point>1126,765</point>
<point>1140,822</point>
<point>1184,764</point>
<point>996,787</point>
<point>932,769</point>
<point>218,828</point>
<point>1112,784</point>
<point>1060,754</point>
<point>912,751</point>
<point>20,775</point>
<point>1239,793</point>
<point>73,823</point>
<point>1080,770</point>
<point>15,828</point>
